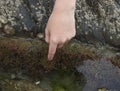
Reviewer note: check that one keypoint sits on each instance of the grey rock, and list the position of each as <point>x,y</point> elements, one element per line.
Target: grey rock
<point>100,74</point>
<point>97,21</point>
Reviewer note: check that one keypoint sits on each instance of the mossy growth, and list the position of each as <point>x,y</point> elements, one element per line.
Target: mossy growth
<point>30,55</point>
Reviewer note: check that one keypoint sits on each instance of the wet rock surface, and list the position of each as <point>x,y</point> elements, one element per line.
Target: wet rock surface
<point>100,74</point>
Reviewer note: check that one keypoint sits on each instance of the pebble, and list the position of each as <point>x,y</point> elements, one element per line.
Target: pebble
<point>103,89</point>
<point>40,35</point>
<point>3,19</point>
<point>9,30</point>
<point>13,76</point>
<point>37,83</point>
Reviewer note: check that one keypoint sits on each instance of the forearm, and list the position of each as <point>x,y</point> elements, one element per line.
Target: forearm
<point>64,5</point>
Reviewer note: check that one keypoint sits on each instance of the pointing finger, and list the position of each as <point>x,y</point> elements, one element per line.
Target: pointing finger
<point>52,50</point>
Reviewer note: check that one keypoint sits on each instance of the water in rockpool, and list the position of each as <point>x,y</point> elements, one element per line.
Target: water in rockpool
<point>100,75</point>
<point>53,81</point>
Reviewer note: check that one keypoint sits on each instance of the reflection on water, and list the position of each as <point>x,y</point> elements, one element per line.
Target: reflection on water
<point>100,74</point>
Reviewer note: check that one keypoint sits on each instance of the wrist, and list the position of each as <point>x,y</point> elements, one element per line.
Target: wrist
<point>64,6</point>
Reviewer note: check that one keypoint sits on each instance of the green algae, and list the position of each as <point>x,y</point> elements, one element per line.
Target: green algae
<point>58,80</point>
<point>66,81</point>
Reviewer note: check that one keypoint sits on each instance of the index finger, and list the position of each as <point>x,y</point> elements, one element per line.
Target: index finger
<point>52,50</point>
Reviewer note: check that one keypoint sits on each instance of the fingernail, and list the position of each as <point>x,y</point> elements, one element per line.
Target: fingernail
<point>50,58</point>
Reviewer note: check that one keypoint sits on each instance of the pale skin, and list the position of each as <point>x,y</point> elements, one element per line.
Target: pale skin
<point>61,25</point>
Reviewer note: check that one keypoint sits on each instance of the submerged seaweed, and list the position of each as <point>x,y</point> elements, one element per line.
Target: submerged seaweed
<point>58,80</point>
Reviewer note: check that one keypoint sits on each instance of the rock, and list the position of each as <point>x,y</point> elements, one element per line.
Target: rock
<point>100,74</point>
<point>40,35</point>
<point>98,21</point>
<point>9,30</point>
<point>3,19</point>
<point>23,14</point>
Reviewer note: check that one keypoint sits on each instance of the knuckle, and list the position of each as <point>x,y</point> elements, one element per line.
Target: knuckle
<point>46,40</point>
<point>69,38</point>
<point>73,35</point>
<point>54,40</point>
<point>62,41</point>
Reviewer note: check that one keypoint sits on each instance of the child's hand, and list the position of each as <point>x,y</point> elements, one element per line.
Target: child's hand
<point>60,29</point>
